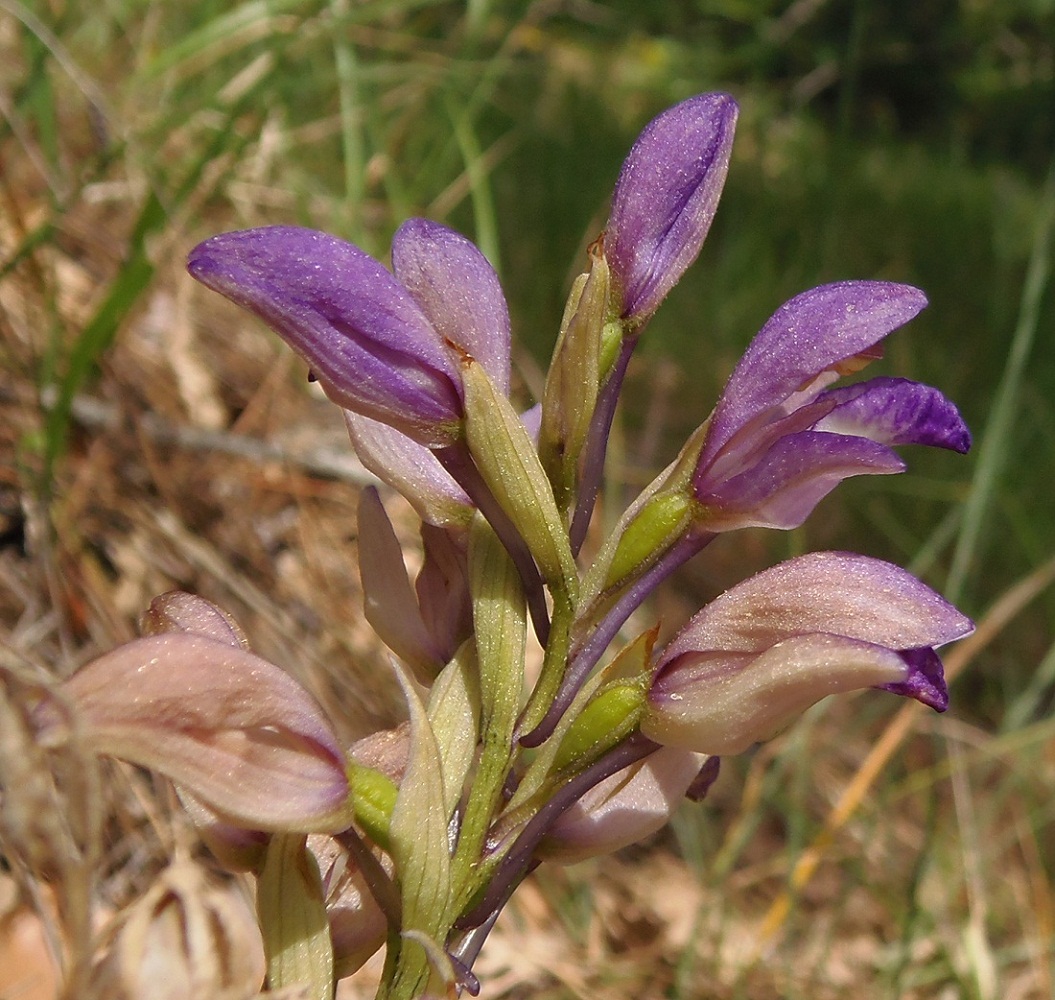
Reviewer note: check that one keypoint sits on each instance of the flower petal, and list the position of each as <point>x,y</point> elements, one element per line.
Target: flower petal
<point>666,197</point>
<point>178,611</point>
<point>624,808</point>
<point>739,701</point>
<point>784,486</point>
<point>458,290</point>
<point>365,338</point>
<point>835,592</point>
<point>233,729</point>
<point>411,469</point>
<point>806,336</point>
<point>389,600</point>
<point>896,411</point>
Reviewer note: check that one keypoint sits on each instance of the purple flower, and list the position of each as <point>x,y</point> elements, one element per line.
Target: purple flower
<point>665,200</point>
<point>779,440</point>
<point>762,653</point>
<point>379,345</point>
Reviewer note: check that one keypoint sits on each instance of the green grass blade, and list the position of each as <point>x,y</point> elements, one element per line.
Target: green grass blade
<point>996,444</point>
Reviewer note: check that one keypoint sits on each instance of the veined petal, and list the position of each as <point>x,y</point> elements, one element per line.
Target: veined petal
<point>806,336</point>
<point>365,338</point>
<point>666,198</point>
<point>896,411</point>
<point>411,469</point>
<point>743,700</point>
<point>458,291</point>
<point>233,729</point>
<point>835,592</point>
<point>783,487</point>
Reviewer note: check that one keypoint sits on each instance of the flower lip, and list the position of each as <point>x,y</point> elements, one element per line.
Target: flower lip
<point>666,198</point>
<point>362,333</point>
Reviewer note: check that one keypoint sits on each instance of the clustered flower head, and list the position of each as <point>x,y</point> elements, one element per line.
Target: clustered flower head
<point>415,838</point>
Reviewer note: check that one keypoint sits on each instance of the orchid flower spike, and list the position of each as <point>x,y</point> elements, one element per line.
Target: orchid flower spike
<point>761,654</point>
<point>779,440</point>
<point>379,344</point>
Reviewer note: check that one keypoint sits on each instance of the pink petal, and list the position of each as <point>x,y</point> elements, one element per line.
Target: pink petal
<point>235,730</point>
<point>835,592</point>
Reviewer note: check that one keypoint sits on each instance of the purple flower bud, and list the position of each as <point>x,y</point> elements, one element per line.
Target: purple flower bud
<point>666,198</point>
<point>762,653</point>
<point>778,441</point>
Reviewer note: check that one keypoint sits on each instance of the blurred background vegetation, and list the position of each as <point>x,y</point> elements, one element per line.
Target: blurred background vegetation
<point>910,140</point>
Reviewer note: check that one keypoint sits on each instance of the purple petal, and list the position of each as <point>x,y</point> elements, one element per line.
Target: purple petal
<point>831,592</point>
<point>531,418</point>
<point>896,411</point>
<point>806,336</point>
<point>926,679</point>
<point>784,486</point>
<point>666,198</point>
<point>458,290</point>
<point>364,337</point>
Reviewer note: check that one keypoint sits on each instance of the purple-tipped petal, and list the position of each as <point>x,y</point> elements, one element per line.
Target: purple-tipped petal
<point>782,488</point>
<point>666,198</point>
<point>365,338</point>
<point>808,335</point>
<point>234,730</point>
<point>926,679</point>
<point>896,411</point>
<point>833,592</point>
<point>458,291</point>
<point>767,649</point>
